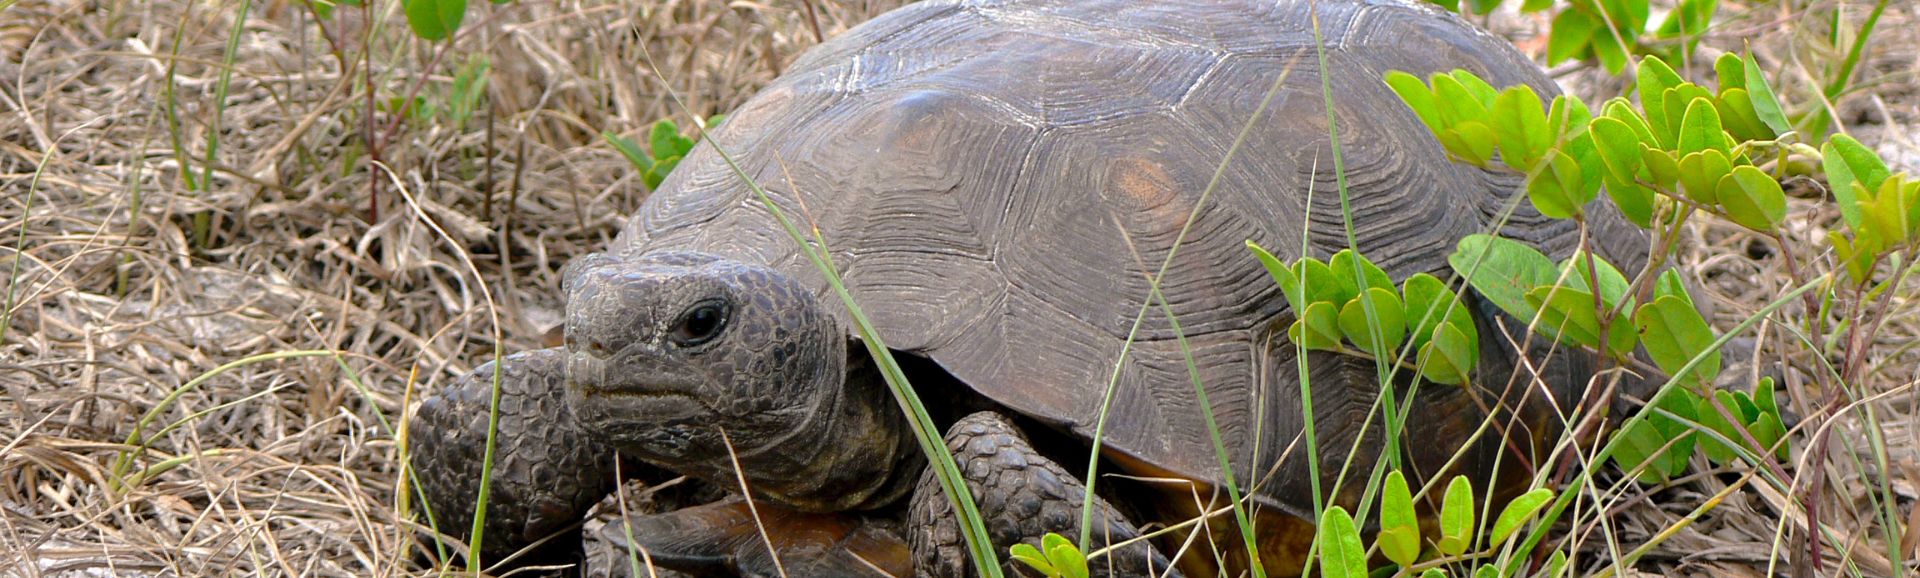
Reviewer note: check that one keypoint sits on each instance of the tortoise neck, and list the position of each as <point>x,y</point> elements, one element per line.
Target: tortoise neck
<point>855,452</point>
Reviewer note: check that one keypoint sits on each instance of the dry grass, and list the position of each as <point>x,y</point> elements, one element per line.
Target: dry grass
<point>130,284</point>
<point>123,295</point>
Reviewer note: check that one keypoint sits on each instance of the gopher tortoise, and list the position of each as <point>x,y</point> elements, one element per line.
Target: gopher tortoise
<point>996,181</point>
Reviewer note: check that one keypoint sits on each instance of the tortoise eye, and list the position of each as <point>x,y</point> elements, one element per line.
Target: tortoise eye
<point>700,324</point>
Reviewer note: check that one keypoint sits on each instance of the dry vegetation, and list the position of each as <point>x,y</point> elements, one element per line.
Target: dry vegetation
<point>124,283</point>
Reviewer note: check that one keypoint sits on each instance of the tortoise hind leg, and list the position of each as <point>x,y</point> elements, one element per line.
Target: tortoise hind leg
<point>547,473</point>
<point>1022,496</point>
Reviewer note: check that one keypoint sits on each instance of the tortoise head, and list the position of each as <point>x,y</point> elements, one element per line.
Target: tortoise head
<point>675,356</point>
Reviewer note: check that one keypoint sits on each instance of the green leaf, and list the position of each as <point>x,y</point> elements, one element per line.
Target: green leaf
<point>1619,148</point>
<point>1343,266</point>
<point>1640,445</point>
<point>1323,284</point>
<point>631,150</point>
<point>1738,116</point>
<point>1030,556</point>
<point>1674,333</point>
<point>1613,284</point>
<point>1892,214</point>
<point>663,139</point>
<point>1654,79</point>
<point>1481,91</point>
<point>1064,556</point>
<point>1765,104</point>
<point>1661,165</point>
<point>1282,275</point>
<point>1700,175</point>
<point>1731,71</point>
<point>1701,129</point>
<point>1318,328</point>
<point>1450,355</point>
<point>1508,270</point>
<point>661,168</point>
<point>1341,554</point>
<point>1470,141</point>
<point>1568,115</point>
<point>1847,162</point>
<point>1450,5</point>
<point>1768,431</point>
<point>1456,103</point>
<point>1456,517</point>
<point>1678,99</point>
<point>1399,525</point>
<point>1572,31</point>
<point>1607,49</point>
<point>1752,198</point>
<point>1715,451</point>
<point>1517,513</point>
<point>1670,284</point>
<point>1568,313</point>
<point>1764,398</point>
<point>1430,304</point>
<point>1556,565</point>
<point>1392,323</point>
<point>1419,98</point>
<point>1680,404</point>
<point>1556,187</point>
<point>1520,125</point>
<point>1434,572</point>
<point>435,20</point>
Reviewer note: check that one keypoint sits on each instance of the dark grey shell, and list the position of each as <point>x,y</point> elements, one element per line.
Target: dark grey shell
<point>995,181</point>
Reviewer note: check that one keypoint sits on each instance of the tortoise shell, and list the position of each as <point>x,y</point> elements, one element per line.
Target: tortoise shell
<point>997,181</point>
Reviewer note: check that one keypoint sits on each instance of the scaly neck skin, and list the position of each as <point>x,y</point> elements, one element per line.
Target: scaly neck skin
<point>856,451</point>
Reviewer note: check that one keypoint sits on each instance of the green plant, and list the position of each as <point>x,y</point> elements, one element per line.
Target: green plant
<point>1056,558</point>
<point>1684,151</point>
<point>665,148</point>
<point>1611,31</point>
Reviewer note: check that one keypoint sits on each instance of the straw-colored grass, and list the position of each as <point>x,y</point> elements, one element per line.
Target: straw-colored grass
<point>124,282</point>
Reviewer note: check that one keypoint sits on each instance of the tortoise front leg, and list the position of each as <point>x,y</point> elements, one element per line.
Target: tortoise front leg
<point>547,473</point>
<point>1023,496</point>
<point>729,538</point>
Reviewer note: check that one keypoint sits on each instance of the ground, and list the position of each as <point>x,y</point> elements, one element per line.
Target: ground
<point>240,337</point>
